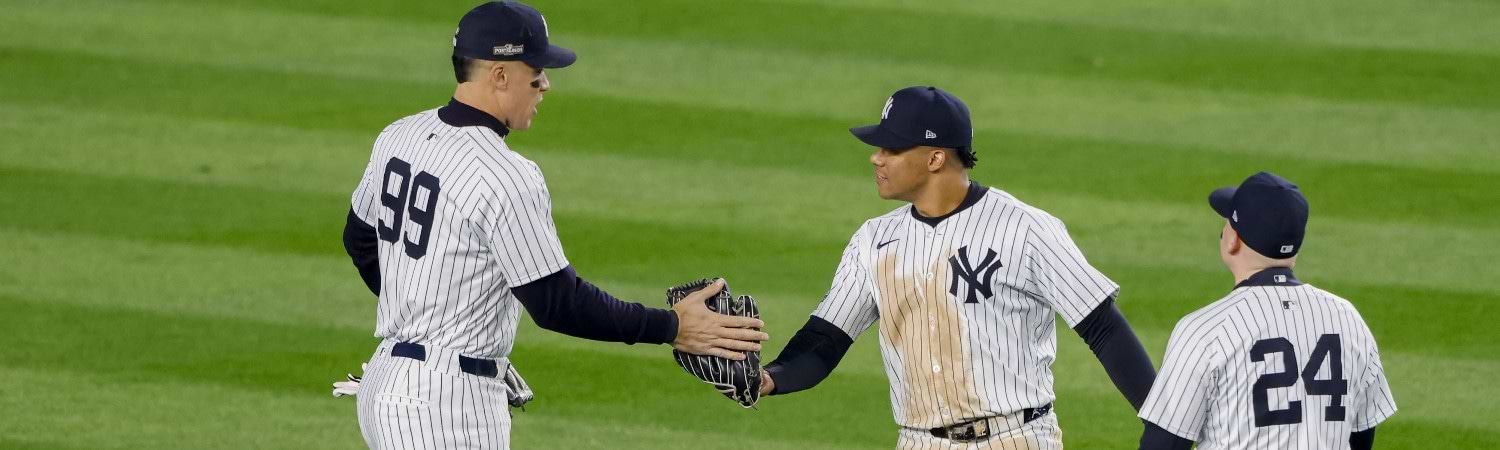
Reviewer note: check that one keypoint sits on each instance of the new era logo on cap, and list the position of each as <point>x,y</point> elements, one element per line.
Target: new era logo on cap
<point>1287,248</point>
<point>931,135</point>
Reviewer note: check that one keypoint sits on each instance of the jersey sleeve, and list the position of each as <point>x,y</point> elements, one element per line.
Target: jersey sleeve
<point>524,237</point>
<point>1375,402</point>
<point>849,304</point>
<point>367,194</point>
<point>1060,275</point>
<point>1185,388</point>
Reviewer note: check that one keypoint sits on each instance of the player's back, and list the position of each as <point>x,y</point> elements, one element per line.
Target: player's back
<point>1287,366</point>
<point>443,198</point>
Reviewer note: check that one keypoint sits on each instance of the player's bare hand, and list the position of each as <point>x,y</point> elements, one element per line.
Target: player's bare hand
<point>766,383</point>
<point>704,332</point>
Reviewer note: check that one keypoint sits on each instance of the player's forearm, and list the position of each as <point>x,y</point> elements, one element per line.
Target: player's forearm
<point>809,357</point>
<point>1157,438</point>
<point>564,303</point>
<point>1362,440</point>
<point>362,245</point>
<point>1109,335</point>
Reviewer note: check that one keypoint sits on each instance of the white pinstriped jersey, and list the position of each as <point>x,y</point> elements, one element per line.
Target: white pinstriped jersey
<point>966,307</point>
<point>1275,364</point>
<point>461,220</point>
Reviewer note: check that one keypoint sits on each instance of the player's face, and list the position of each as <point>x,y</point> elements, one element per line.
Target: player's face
<point>525,92</point>
<point>899,173</point>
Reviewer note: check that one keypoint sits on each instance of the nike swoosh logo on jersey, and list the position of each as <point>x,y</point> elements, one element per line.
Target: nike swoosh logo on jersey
<point>883,244</point>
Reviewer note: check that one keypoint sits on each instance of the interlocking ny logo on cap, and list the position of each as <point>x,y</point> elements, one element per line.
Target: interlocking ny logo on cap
<point>509,50</point>
<point>886,111</point>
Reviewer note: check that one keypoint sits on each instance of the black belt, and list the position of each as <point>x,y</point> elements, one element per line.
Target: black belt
<point>473,366</point>
<point>980,429</point>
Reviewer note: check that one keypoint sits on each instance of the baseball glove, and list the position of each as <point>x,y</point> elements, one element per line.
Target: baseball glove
<point>738,380</point>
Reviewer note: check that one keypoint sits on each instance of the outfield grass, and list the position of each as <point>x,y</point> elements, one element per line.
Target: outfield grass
<point>174,176</point>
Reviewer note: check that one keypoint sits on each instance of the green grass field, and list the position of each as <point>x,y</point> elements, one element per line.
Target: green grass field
<point>174,177</point>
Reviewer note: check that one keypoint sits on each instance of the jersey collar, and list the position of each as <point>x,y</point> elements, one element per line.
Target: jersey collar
<point>1275,276</point>
<point>457,114</point>
<point>976,192</point>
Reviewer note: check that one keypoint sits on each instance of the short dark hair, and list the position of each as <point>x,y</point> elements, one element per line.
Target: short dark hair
<point>966,156</point>
<point>461,67</point>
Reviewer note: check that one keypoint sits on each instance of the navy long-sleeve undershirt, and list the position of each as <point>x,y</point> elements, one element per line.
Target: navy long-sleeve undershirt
<point>812,354</point>
<point>561,302</point>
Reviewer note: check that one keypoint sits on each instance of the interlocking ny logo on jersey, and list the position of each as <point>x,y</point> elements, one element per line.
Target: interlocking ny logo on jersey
<point>976,277</point>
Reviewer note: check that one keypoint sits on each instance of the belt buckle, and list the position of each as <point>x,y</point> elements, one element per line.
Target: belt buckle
<point>977,430</point>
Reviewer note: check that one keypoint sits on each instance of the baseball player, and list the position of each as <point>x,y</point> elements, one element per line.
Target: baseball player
<point>453,230</point>
<point>965,282</point>
<point>1277,363</point>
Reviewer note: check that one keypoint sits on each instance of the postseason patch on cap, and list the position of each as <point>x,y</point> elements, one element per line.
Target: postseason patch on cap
<point>509,50</point>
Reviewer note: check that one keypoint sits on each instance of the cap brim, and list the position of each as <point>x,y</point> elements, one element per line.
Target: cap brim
<point>554,58</point>
<point>1222,201</point>
<point>877,137</point>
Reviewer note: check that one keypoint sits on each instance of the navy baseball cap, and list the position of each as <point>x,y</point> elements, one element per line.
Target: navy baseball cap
<point>920,115</point>
<point>1268,212</point>
<point>509,31</point>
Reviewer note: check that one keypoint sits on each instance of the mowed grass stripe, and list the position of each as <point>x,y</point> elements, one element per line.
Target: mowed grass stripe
<point>130,347</point>
<point>60,409</point>
<point>310,224</point>
<point>694,75</point>
<point>1114,231</point>
<point>1126,232</point>
<point>1225,63</point>
<point>172,278</point>
<point>1091,167</point>
<point>164,331</point>
<point>214,416</point>
<point>1446,26</point>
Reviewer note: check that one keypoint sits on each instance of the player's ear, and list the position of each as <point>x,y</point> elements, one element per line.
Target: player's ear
<point>498,76</point>
<point>1231,240</point>
<point>936,158</point>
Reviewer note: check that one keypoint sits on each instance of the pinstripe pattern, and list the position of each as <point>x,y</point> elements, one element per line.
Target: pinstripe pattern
<point>950,361</point>
<point>491,230</point>
<point>409,404</point>
<point>1205,389</point>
